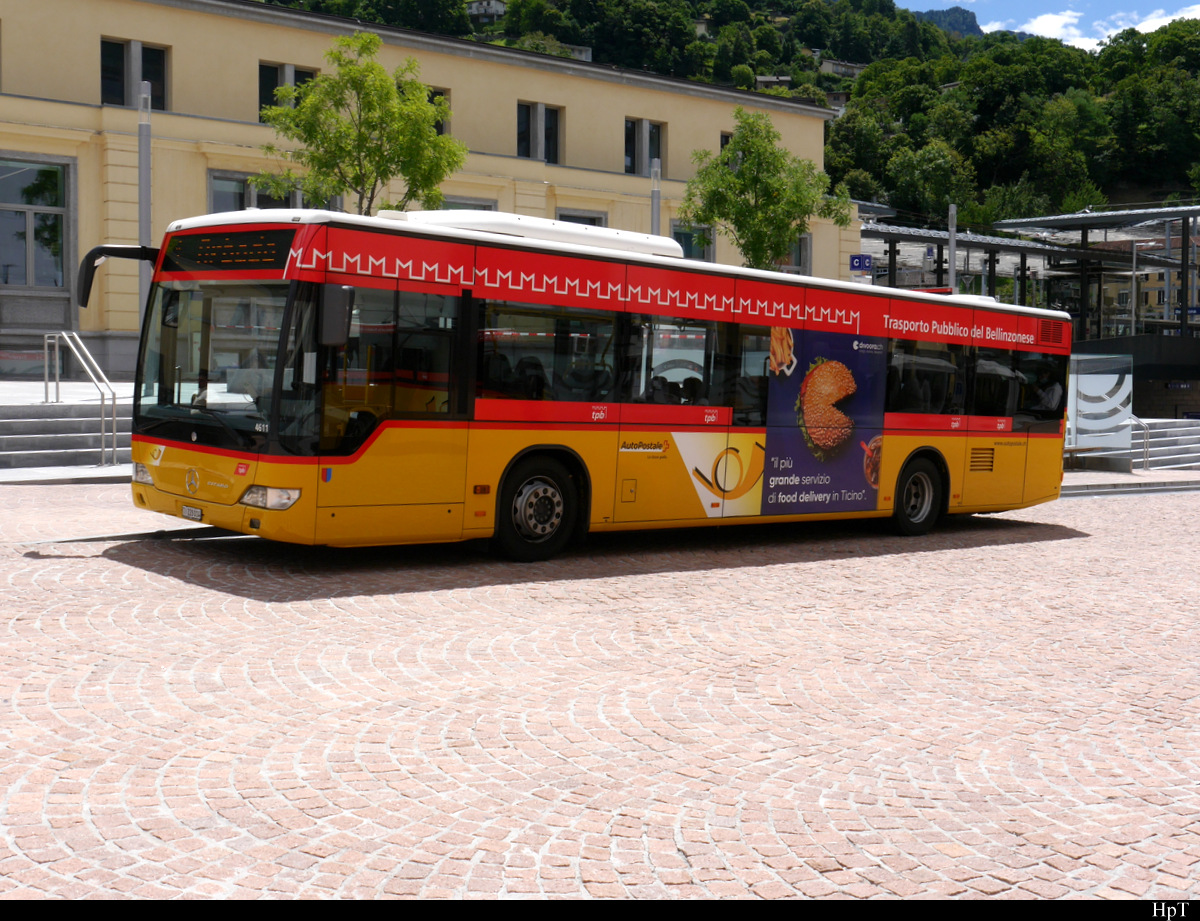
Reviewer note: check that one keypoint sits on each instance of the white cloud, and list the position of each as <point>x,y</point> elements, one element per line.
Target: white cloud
<point>998,24</point>
<point>1149,23</point>
<point>1065,27</point>
<point>1103,29</point>
<point>1055,25</point>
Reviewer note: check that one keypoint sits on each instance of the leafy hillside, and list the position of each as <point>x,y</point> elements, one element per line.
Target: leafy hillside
<point>941,113</point>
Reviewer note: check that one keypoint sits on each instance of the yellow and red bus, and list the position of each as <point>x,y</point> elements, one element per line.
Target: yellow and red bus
<point>338,380</point>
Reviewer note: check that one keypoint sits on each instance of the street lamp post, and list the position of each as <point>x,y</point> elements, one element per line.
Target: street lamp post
<point>144,267</point>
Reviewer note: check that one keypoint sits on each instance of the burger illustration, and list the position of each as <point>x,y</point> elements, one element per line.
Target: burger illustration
<point>826,428</point>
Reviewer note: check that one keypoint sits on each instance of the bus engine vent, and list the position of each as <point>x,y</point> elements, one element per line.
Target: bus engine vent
<point>983,460</point>
<point>1050,331</point>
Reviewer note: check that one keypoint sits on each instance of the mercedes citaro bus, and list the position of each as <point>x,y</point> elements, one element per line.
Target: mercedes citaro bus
<point>332,379</point>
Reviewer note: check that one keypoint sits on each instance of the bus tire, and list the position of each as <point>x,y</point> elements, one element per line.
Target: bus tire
<point>536,514</point>
<point>918,498</point>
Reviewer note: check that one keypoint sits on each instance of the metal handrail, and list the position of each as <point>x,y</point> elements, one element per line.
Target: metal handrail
<point>108,402</point>
<point>1134,420</point>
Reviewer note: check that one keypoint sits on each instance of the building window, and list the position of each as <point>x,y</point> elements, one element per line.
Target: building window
<point>577,216</point>
<point>124,65</point>
<point>538,128</point>
<point>233,192</point>
<point>689,239</point>
<point>273,76</point>
<point>33,215</point>
<point>434,96</point>
<point>643,145</point>
<point>801,257</point>
<point>726,137</point>
<point>462,203</point>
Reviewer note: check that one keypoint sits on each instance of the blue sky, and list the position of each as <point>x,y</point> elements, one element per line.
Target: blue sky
<point>1083,23</point>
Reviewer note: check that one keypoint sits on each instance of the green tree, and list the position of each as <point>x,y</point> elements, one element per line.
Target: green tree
<point>758,194</point>
<point>743,76</point>
<point>444,17</point>
<point>1018,199</point>
<point>1121,56</point>
<point>523,17</point>
<point>813,24</point>
<point>926,181</point>
<point>1087,195</point>
<point>357,128</point>
<point>541,43</point>
<point>642,34</point>
<point>727,11</point>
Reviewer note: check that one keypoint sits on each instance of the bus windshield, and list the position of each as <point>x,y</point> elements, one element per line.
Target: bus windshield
<point>209,355</point>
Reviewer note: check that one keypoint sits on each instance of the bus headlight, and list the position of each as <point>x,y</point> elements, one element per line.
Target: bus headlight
<point>270,497</point>
<point>142,475</point>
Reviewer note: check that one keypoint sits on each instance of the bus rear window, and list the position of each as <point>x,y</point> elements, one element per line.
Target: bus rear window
<point>235,251</point>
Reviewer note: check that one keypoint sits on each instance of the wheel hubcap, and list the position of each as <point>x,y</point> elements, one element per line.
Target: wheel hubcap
<point>537,509</point>
<point>918,497</point>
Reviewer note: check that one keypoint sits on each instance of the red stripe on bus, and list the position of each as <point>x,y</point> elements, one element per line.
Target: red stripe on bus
<point>545,411</point>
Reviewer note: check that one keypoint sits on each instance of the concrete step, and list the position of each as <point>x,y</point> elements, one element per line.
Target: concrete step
<point>1173,444</point>
<point>1106,489</point>
<point>73,426</point>
<point>89,410</point>
<point>60,441</point>
<point>60,434</point>
<point>10,460</point>
<point>1183,462</point>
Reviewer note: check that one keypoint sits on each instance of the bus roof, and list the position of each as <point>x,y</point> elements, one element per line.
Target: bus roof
<point>574,239</point>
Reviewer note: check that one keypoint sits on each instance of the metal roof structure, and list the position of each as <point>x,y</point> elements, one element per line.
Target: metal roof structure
<point>1084,221</point>
<point>1087,220</point>
<point>1175,355</point>
<point>1008,244</point>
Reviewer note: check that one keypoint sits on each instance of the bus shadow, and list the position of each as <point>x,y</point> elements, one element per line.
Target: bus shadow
<point>260,570</point>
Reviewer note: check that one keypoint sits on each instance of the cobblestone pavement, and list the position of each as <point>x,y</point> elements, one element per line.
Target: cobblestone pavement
<point>1007,707</point>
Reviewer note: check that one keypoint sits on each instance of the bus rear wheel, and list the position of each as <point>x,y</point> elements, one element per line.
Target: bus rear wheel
<point>537,510</point>
<point>918,498</point>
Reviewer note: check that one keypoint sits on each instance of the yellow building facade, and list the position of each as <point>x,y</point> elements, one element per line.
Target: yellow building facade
<point>548,137</point>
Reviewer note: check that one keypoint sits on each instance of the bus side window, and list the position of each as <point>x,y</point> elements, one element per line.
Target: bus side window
<point>425,372</point>
<point>531,352</point>
<point>997,384</point>
<point>748,396</point>
<point>1042,378</point>
<point>671,362</point>
<point>925,378</point>
<point>358,391</point>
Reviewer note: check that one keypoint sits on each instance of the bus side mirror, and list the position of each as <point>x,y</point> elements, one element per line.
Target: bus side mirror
<point>97,254</point>
<point>337,304</point>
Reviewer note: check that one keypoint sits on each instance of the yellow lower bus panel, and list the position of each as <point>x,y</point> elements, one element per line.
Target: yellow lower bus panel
<point>435,484</point>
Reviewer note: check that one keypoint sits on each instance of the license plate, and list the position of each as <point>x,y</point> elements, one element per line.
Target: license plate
<point>192,513</point>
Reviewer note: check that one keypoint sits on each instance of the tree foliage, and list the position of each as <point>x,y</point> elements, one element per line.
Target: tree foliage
<point>357,128</point>
<point>444,17</point>
<point>758,194</point>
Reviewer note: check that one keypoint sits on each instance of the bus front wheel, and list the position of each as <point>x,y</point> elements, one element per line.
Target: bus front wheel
<point>918,498</point>
<point>537,510</point>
